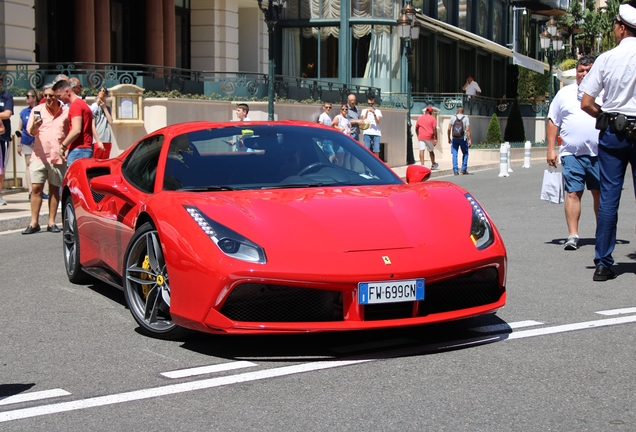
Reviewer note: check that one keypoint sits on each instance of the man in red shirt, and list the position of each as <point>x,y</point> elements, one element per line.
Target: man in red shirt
<point>426,130</point>
<point>78,143</point>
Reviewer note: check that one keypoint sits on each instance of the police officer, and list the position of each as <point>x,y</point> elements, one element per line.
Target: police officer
<point>614,72</point>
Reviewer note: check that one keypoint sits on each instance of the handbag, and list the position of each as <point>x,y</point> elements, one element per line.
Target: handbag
<point>552,187</point>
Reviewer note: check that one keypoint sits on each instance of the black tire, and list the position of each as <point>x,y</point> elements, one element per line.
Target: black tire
<point>147,287</point>
<point>71,245</point>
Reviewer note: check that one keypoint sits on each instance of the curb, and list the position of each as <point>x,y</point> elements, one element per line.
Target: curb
<point>21,222</point>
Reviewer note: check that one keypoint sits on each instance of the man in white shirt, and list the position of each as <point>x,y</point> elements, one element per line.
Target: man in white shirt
<point>579,149</point>
<point>613,73</point>
<point>471,87</point>
<point>372,135</point>
<point>325,119</point>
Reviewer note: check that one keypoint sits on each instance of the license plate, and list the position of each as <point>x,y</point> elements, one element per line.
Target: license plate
<point>390,291</point>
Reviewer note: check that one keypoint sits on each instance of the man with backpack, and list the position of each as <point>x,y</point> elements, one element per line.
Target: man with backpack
<point>459,136</point>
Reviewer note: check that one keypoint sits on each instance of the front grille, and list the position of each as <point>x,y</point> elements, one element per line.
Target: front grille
<point>471,290</point>
<point>474,289</point>
<point>274,303</point>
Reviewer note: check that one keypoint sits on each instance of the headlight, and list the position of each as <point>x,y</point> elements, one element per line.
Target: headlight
<point>228,241</point>
<point>480,229</point>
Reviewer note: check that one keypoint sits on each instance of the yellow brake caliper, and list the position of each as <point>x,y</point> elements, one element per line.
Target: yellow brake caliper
<point>146,266</point>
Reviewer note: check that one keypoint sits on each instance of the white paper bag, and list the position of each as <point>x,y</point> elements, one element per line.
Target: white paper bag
<point>552,188</point>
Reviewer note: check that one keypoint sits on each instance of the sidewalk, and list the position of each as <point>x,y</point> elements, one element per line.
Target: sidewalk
<point>16,215</point>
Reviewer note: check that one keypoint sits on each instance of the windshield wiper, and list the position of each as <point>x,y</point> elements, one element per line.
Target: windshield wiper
<point>294,185</point>
<point>206,188</point>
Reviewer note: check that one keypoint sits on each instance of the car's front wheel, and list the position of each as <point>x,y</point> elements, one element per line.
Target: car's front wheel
<point>147,287</point>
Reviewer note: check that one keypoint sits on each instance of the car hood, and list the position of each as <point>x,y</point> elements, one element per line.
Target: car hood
<point>343,219</point>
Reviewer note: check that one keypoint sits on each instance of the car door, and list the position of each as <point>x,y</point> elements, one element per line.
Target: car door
<point>139,172</point>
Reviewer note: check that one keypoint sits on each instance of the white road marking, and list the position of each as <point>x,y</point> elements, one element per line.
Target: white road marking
<point>289,370</point>
<point>571,327</point>
<point>506,326</point>
<point>618,311</point>
<point>208,369</point>
<point>170,389</point>
<point>28,397</point>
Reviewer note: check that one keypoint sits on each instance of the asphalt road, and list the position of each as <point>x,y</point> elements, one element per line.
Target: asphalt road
<point>560,355</point>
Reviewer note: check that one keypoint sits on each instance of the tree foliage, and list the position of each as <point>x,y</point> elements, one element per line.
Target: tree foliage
<point>531,85</point>
<point>493,135</point>
<point>515,132</point>
<point>592,27</point>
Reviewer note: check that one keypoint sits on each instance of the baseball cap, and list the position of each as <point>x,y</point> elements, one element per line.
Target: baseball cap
<point>429,109</point>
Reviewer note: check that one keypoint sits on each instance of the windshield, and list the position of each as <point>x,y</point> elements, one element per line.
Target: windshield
<point>270,156</point>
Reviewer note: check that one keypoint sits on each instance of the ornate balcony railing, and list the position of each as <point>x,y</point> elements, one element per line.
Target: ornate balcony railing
<point>18,78</point>
<point>447,104</point>
<point>229,85</point>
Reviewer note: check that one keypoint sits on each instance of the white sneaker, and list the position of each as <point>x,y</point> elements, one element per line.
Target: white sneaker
<point>572,242</point>
<point>2,201</point>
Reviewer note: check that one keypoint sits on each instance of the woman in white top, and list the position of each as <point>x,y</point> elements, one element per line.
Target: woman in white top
<point>341,123</point>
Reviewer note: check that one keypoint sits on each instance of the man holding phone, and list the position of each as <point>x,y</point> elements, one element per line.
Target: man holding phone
<point>48,124</point>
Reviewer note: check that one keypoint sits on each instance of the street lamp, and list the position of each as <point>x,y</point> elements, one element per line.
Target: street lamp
<point>272,10</point>
<point>552,45</point>
<point>514,26</point>
<point>409,32</point>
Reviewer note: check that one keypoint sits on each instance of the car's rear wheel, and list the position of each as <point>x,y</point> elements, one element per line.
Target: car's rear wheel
<point>71,245</point>
<point>147,287</point>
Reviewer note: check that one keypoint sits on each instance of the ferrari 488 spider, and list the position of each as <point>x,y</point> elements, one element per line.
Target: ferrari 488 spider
<point>270,227</point>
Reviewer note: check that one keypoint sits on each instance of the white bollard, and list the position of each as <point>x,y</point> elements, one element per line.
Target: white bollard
<point>527,154</point>
<point>503,161</point>
<point>509,162</point>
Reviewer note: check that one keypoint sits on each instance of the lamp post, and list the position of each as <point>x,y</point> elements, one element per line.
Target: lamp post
<point>272,10</point>
<point>551,44</point>
<point>514,26</point>
<point>409,32</point>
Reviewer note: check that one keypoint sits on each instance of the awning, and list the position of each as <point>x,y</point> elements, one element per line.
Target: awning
<point>529,63</point>
<point>435,26</point>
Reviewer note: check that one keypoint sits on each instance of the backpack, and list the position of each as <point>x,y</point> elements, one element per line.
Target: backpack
<point>458,128</point>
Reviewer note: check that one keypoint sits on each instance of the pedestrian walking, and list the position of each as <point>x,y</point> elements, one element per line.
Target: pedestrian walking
<point>578,151</point>
<point>6,111</point>
<point>459,137</point>
<point>372,135</point>
<point>49,125</point>
<point>25,146</point>
<point>426,131</point>
<point>613,73</point>
<point>102,121</point>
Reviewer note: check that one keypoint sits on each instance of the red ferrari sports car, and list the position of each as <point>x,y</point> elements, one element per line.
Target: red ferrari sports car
<point>270,227</point>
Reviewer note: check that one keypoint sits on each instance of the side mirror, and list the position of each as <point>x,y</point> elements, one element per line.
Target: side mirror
<point>417,173</point>
<point>111,185</point>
